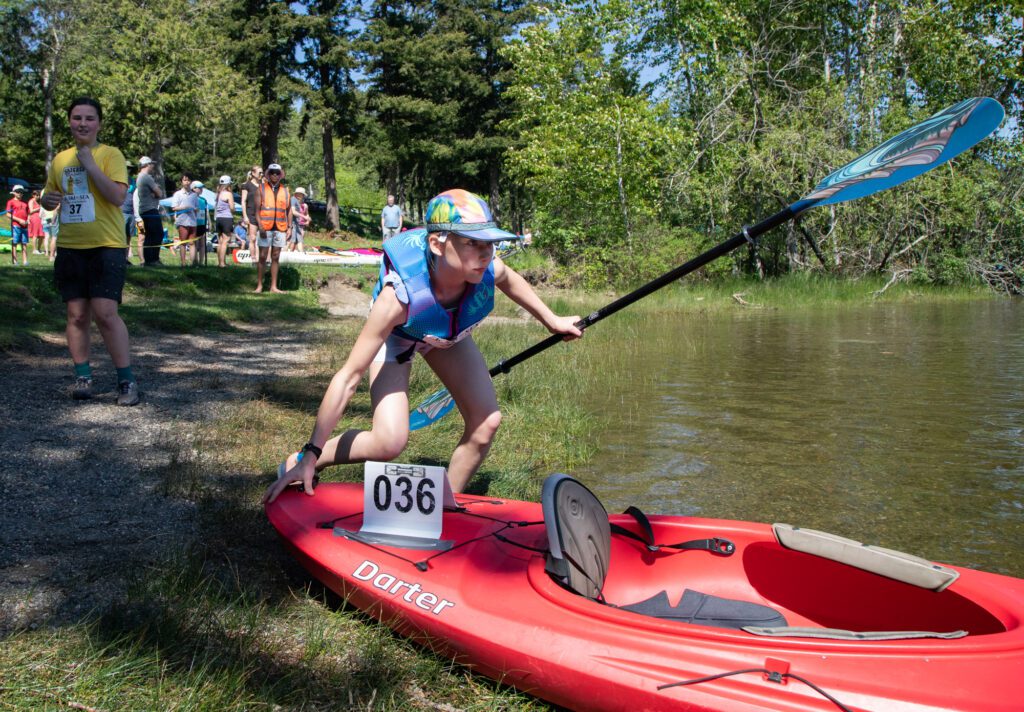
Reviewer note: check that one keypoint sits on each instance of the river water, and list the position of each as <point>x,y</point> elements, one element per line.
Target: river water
<point>897,425</point>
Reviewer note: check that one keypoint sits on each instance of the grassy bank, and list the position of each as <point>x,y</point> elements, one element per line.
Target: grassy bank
<point>234,623</point>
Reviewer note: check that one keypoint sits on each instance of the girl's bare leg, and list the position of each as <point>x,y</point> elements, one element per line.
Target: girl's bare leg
<point>389,433</point>
<point>222,250</point>
<point>463,371</point>
<point>77,331</point>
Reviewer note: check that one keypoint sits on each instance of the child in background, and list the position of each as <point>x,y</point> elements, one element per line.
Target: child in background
<point>35,224</point>
<point>300,218</point>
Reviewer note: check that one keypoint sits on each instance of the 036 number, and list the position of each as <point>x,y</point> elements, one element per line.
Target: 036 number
<point>402,494</point>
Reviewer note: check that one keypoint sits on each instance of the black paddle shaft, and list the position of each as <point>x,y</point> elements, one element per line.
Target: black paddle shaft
<point>748,234</point>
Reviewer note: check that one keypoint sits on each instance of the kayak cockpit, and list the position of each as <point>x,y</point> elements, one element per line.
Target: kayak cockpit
<point>759,585</point>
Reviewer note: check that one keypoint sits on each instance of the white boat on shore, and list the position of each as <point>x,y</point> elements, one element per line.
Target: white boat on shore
<point>338,258</point>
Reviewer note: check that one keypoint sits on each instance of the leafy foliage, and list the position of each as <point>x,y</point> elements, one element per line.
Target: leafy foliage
<point>626,134</point>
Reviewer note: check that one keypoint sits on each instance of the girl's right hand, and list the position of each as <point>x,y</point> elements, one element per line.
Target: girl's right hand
<point>303,471</point>
<point>51,199</point>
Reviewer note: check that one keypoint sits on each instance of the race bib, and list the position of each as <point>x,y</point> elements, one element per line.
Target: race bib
<point>77,209</point>
<point>405,500</point>
<point>78,205</point>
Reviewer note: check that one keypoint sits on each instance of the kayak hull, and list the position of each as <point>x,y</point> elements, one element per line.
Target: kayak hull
<point>490,605</point>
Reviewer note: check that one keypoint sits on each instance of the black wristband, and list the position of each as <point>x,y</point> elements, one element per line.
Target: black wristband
<point>310,447</point>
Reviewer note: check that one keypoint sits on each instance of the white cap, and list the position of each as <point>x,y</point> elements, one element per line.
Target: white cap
<point>145,161</point>
<point>274,167</point>
<point>225,180</point>
<point>300,189</point>
<point>197,184</point>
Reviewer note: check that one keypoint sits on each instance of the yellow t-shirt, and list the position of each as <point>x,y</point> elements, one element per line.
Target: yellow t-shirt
<point>87,219</point>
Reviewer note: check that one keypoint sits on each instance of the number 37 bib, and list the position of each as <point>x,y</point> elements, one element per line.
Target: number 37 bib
<point>78,204</point>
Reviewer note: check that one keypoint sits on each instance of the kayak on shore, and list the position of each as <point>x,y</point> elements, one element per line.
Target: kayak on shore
<point>629,612</point>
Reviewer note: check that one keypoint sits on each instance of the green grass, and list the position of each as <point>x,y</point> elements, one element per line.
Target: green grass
<point>233,623</point>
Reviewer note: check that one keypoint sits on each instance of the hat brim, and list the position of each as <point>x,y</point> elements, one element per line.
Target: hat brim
<point>487,234</point>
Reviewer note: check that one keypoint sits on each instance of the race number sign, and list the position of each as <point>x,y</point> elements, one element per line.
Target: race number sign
<point>403,504</point>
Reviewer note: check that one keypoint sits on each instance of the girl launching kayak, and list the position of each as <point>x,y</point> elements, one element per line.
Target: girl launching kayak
<point>436,284</point>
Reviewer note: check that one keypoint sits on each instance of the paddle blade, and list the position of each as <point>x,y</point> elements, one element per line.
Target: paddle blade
<point>431,410</point>
<point>910,153</point>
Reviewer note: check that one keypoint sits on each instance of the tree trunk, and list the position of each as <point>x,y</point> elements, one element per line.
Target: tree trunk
<point>270,127</point>
<point>793,249</point>
<point>48,115</point>
<point>157,154</point>
<point>493,176</point>
<point>330,184</point>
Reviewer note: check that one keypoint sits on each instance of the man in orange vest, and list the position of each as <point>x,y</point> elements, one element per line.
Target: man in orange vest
<point>275,223</point>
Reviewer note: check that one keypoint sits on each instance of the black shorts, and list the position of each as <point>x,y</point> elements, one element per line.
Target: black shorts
<point>226,226</point>
<point>97,272</point>
<point>200,230</point>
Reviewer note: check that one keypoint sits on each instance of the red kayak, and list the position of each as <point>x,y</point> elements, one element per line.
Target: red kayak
<point>628,612</point>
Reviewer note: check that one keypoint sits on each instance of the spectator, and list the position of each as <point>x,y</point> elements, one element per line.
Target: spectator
<point>300,218</point>
<point>50,228</point>
<point>224,213</point>
<point>275,224</point>
<point>17,209</point>
<point>128,211</point>
<point>184,205</point>
<point>202,210</point>
<point>390,219</point>
<point>89,182</point>
<point>251,208</point>
<point>35,224</point>
<point>149,195</point>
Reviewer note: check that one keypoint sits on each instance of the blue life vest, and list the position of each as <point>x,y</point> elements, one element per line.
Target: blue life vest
<point>406,254</point>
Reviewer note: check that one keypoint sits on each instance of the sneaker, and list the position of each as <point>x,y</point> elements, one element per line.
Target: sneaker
<point>82,390</point>
<point>127,393</point>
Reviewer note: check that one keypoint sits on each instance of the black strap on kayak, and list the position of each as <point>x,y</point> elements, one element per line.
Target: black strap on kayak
<point>422,564</point>
<point>772,675</point>
<point>716,545</point>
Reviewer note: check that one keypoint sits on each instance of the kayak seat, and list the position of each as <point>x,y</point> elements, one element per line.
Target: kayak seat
<point>579,551</point>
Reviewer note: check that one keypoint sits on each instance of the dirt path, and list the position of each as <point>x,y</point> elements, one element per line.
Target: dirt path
<point>81,482</point>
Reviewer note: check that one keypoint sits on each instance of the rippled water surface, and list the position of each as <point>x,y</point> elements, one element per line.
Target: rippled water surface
<point>896,425</point>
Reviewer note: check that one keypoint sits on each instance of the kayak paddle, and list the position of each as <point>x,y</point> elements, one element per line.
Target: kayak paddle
<point>904,156</point>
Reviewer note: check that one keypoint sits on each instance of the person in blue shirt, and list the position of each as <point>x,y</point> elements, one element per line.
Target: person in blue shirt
<point>390,219</point>
<point>436,284</point>
<point>202,211</point>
